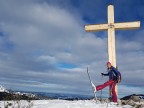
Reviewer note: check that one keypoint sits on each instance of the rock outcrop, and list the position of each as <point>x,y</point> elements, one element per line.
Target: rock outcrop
<point>137,101</point>
<point>20,96</point>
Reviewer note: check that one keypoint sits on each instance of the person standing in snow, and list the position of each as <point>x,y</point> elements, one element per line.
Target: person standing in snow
<point>114,78</point>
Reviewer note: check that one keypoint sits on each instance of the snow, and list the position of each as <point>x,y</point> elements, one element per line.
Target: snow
<point>62,104</point>
<point>26,94</point>
<point>127,106</point>
<point>70,104</point>
<point>2,89</point>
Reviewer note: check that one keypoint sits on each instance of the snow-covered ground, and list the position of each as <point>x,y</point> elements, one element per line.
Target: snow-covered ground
<point>62,104</point>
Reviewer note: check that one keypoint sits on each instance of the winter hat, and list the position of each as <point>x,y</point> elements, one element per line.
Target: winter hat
<point>108,63</point>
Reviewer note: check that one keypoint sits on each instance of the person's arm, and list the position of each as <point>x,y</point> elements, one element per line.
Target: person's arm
<point>105,74</point>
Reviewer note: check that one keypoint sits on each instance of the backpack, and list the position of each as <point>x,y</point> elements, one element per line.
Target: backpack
<point>117,77</point>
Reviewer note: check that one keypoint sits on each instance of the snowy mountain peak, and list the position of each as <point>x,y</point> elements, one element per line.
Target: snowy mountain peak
<point>2,89</point>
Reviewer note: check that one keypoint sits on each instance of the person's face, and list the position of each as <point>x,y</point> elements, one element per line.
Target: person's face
<point>108,65</point>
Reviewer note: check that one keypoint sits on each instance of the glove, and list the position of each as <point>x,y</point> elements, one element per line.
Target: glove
<point>102,74</point>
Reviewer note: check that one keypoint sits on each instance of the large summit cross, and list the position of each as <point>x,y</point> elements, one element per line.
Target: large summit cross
<point>111,27</point>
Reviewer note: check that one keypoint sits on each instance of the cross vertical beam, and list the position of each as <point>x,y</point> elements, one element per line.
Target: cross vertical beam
<point>111,36</point>
<point>111,40</point>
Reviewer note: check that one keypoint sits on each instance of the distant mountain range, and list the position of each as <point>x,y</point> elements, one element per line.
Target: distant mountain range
<point>8,94</point>
<point>13,95</point>
<point>64,96</point>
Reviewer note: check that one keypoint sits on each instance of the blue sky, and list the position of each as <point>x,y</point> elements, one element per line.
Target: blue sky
<point>44,48</point>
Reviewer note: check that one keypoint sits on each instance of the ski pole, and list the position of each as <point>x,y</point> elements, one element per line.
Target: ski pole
<point>101,91</point>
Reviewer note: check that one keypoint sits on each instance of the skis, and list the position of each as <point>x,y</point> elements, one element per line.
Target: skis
<point>91,85</point>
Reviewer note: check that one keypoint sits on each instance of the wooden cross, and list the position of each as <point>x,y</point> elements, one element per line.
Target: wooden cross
<point>111,27</point>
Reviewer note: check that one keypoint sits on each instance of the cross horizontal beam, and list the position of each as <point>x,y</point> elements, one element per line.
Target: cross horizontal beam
<point>116,26</point>
<point>127,25</point>
<point>94,28</point>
